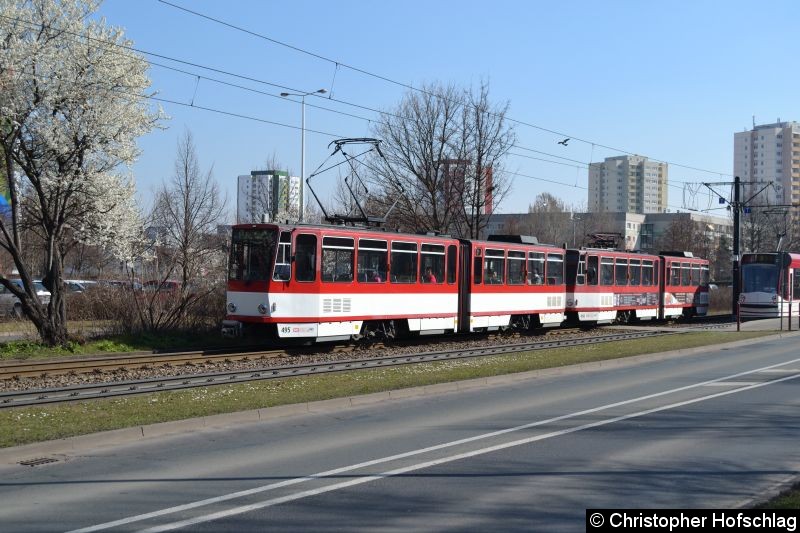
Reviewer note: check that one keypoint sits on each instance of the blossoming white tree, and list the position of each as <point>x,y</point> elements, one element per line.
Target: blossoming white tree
<point>72,105</point>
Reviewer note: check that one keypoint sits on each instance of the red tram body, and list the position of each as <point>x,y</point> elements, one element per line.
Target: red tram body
<point>329,283</point>
<point>512,281</point>
<point>334,283</point>
<point>605,286</point>
<point>684,285</point>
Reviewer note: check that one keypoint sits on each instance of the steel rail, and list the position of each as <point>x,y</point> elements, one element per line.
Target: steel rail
<point>16,369</point>
<point>128,388</point>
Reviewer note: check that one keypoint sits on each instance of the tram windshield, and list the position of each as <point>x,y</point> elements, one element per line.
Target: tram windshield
<point>759,278</point>
<point>252,252</point>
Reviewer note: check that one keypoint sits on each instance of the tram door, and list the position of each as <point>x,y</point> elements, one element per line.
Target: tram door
<point>464,284</point>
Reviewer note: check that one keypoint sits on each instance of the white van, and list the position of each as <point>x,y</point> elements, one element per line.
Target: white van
<point>9,303</point>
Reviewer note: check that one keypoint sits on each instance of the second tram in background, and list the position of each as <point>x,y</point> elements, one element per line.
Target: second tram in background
<point>611,286</point>
<point>770,285</point>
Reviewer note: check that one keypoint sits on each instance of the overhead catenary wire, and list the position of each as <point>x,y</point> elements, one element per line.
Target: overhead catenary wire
<point>260,81</point>
<point>339,63</point>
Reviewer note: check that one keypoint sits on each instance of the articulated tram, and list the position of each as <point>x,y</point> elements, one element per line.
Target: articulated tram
<point>332,283</point>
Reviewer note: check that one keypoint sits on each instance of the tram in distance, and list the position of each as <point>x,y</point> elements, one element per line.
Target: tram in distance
<point>333,283</point>
<point>770,285</point>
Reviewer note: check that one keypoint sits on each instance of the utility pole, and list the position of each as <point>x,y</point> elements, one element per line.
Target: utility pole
<point>737,207</point>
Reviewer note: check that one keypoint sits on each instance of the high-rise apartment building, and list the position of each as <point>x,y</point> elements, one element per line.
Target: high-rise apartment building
<point>769,153</point>
<point>628,184</point>
<point>268,195</point>
<point>458,179</point>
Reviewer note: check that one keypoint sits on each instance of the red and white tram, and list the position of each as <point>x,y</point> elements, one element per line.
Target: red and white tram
<point>770,285</point>
<point>514,281</point>
<point>328,283</point>
<point>336,283</point>
<point>605,286</point>
<point>684,285</point>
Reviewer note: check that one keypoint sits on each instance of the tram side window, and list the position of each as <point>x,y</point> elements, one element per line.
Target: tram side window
<point>337,259</point>
<point>674,274</point>
<point>635,271</point>
<point>372,255</point>
<point>695,275</point>
<point>606,271</point>
<point>555,269</point>
<point>283,266</point>
<point>647,273</point>
<point>452,260</point>
<point>591,270</point>
<point>621,272</point>
<point>494,266</point>
<point>704,277</point>
<point>796,284</point>
<point>432,263</point>
<point>516,268</point>
<point>305,266</point>
<point>685,274</point>
<point>535,268</point>
<point>477,270</point>
<point>404,262</point>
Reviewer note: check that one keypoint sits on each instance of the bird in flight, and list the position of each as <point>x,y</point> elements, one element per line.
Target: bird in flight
<point>564,142</point>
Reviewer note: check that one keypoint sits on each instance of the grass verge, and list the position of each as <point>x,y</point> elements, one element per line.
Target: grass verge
<point>25,425</point>
<point>789,499</point>
<point>26,349</point>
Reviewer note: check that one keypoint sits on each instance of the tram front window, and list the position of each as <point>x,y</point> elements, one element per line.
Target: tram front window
<point>252,251</point>
<point>759,278</point>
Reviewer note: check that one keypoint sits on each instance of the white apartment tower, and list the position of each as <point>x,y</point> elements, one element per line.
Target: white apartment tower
<point>268,195</point>
<point>628,184</point>
<point>769,153</point>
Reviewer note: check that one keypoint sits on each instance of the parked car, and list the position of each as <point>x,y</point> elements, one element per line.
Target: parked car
<point>120,284</point>
<point>10,304</point>
<point>74,286</point>
<point>162,286</point>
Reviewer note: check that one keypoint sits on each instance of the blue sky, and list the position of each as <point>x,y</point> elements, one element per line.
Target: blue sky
<point>669,80</point>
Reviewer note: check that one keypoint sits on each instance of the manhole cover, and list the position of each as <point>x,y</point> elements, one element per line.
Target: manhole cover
<point>39,461</point>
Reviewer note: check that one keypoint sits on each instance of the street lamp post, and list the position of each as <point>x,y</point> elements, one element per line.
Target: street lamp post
<point>303,146</point>
<point>575,218</point>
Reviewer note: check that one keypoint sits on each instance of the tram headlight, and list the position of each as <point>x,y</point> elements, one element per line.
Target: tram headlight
<point>231,307</point>
<point>262,308</point>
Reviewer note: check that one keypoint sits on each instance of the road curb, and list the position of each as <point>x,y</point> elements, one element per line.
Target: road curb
<point>81,444</point>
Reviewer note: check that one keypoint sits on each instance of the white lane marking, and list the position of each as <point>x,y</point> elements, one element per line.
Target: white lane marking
<point>781,370</point>
<point>345,469</point>
<point>732,384</point>
<point>442,460</point>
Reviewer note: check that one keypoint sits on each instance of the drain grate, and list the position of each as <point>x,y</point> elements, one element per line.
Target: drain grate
<point>39,461</point>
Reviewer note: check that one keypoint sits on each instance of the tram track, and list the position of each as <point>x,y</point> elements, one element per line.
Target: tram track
<point>69,393</point>
<point>103,364</point>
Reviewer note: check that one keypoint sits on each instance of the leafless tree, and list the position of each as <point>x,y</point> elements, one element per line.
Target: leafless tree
<point>444,148</point>
<point>484,138</point>
<point>185,215</point>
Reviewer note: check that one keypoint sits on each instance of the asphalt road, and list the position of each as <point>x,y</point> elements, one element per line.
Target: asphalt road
<point>715,429</point>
